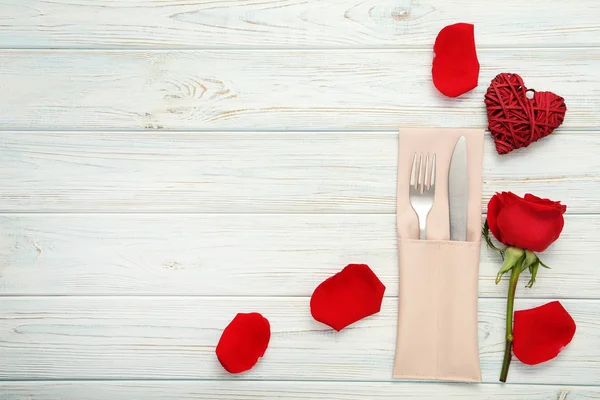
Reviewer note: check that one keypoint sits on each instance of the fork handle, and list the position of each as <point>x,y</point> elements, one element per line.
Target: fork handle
<point>423,228</point>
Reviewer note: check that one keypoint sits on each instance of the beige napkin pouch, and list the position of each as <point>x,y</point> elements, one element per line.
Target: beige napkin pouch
<point>437,298</point>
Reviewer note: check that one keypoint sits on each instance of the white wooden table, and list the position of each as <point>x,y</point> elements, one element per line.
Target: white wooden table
<point>167,164</point>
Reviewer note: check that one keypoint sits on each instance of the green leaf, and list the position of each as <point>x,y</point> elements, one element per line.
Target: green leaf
<point>530,259</point>
<point>485,231</point>
<point>514,257</point>
<point>544,265</point>
<point>524,267</point>
<point>533,269</point>
<point>506,267</point>
<point>499,276</point>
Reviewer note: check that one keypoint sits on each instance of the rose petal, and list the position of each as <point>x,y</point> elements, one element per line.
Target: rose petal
<point>509,197</point>
<point>555,204</point>
<point>495,205</point>
<point>346,297</point>
<point>243,342</point>
<point>540,333</point>
<point>455,67</point>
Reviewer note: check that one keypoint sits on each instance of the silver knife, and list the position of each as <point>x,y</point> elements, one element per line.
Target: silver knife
<point>458,191</point>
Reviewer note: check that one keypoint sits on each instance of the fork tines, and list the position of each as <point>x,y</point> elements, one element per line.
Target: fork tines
<point>422,175</point>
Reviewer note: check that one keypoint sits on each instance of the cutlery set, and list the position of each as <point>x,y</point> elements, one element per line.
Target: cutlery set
<point>422,190</point>
<point>439,193</point>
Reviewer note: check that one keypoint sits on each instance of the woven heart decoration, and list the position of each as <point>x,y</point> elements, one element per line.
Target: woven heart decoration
<point>515,119</point>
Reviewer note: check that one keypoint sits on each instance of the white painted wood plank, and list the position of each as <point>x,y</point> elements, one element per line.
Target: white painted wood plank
<point>175,337</point>
<point>242,390</point>
<point>317,172</point>
<point>272,89</point>
<point>244,255</point>
<point>296,23</point>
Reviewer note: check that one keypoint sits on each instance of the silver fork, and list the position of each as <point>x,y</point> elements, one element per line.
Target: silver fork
<point>422,189</point>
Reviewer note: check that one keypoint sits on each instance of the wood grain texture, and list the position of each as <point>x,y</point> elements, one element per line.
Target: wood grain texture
<point>316,172</point>
<point>292,23</point>
<point>175,337</point>
<point>273,89</point>
<point>150,188</point>
<point>244,390</point>
<point>244,255</point>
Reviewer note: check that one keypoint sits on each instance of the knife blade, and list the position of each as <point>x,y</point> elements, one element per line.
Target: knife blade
<point>458,191</point>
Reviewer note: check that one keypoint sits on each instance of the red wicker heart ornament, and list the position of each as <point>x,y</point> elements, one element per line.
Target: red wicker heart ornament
<point>515,120</point>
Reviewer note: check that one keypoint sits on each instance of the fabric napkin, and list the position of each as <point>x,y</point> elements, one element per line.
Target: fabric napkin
<point>438,278</point>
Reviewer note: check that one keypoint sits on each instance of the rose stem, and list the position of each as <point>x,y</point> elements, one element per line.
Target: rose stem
<point>512,287</point>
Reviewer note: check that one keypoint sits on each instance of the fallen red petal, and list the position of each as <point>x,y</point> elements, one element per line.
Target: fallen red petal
<point>243,342</point>
<point>541,333</point>
<point>348,296</point>
<point>455,69</point>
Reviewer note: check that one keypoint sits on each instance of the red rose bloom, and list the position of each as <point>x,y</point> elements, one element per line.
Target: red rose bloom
<point>529,223</point>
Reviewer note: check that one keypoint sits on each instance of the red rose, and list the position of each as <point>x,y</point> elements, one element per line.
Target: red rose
<point>529,223</point>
